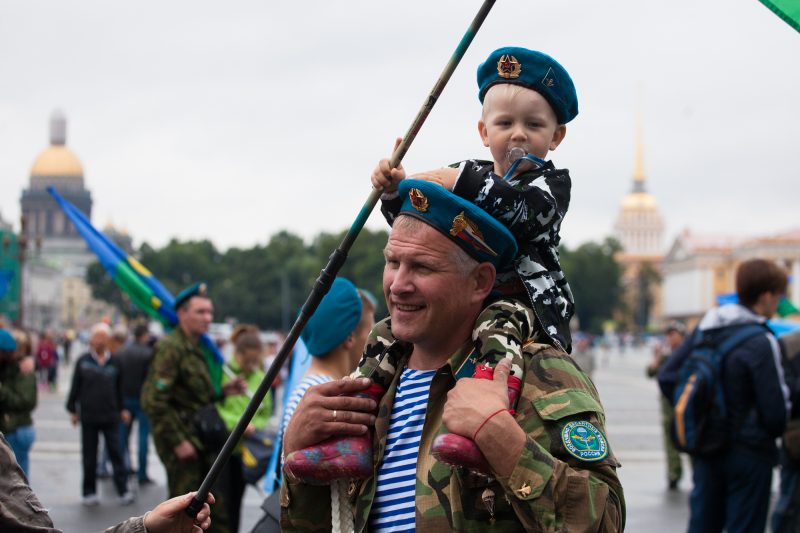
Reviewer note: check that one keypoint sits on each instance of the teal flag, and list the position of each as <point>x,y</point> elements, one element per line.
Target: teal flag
<point>788,10</point>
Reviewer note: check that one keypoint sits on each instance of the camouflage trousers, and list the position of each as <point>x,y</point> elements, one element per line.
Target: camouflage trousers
<point>186,476</point>
<point>674,466</point>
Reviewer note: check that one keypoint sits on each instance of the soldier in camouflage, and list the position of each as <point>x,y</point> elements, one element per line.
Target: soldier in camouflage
<point>552,466</point>
<point>178,385</point>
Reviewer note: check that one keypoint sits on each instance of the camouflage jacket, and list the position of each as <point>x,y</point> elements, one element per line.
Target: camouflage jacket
<point>550,488</point>
<point>532,206</point>
<point>178,384</point>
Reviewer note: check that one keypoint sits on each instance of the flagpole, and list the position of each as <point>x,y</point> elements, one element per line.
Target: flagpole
<point>335,262</point>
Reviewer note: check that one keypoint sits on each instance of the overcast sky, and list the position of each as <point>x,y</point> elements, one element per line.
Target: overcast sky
<point>233,120</point>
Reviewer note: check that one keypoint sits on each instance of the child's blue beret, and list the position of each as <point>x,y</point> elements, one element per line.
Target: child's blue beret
<point>534,70</point>
<point>473,229</point>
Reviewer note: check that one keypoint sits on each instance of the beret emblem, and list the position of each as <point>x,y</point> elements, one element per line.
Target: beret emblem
<point>418,200</point>
<point>508,67</point>
<point>466,230</point>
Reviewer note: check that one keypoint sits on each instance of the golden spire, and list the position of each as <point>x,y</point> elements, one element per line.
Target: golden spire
<point>638,163</point>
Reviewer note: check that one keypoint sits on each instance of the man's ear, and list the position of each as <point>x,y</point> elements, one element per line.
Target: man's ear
<point>483,280</point>
<point>348,342</point>
<point>483,133</point>
<point>558,136</point>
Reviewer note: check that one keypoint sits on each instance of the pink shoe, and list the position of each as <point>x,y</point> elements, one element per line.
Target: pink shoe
<point>337,457</point>
<point>455,450</point>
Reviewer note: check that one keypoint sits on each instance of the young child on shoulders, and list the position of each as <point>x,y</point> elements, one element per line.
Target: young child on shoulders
<point>528,98</point>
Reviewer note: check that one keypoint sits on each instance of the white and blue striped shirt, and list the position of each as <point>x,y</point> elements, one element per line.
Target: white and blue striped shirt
<point>297,395</point>
<point>393,508</point>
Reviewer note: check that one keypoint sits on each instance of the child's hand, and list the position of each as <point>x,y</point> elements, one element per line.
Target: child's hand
<point>446,177</point>
<point>386,177</point>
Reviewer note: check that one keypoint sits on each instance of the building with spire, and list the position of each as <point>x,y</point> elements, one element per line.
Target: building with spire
<point>639,229</point>
<point>55,293</point>
<point>57,166</point>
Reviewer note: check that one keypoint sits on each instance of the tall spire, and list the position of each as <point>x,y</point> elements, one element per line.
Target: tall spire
<point>638,164</point>
<point>58,128</point>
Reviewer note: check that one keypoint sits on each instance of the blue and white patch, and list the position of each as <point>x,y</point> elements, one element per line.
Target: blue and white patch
<point>584,441</point>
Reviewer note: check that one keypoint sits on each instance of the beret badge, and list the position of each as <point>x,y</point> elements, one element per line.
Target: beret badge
<point>466,230</point>
<point>418,200</point>
<point>508,67</point>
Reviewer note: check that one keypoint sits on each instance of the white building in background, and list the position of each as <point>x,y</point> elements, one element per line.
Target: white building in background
<point>699,268</point>
<point>639,227</point>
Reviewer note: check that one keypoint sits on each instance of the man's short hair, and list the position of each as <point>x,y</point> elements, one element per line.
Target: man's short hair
<point>754,277</point>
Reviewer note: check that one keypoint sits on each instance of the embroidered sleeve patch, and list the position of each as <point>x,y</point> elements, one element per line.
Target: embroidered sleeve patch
<point>584,441</point>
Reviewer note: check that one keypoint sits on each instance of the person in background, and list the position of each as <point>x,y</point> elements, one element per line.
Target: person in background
<point>95,399</point>
<point>247,363</point>
<point>732,487</point>
<point>119,338</point>
<point>47,361</point>
<point>178,387</point>
<point>134,361</point>
<point>673,338</point>
<point>335,336</point>
<point>786,515</point>
<point>17,398</point>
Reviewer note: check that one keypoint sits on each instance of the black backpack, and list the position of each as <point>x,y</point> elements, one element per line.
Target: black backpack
<point>700,426</point>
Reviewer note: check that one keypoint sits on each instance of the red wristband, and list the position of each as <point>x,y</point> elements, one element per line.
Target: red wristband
<point>487,419</point>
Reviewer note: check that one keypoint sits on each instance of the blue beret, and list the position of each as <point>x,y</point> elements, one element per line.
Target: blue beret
<point>198,289</point>
<point>534,70</point>
<point>473,229</point>
<point>335,319</point>
<point>7,342</point>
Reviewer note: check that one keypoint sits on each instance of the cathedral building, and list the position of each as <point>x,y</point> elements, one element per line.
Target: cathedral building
<point>55,292</point>
<point>57,166</point>
<point>639,229</point>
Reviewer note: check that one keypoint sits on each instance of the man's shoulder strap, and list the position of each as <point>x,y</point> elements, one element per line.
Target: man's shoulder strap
<point>740,335</point>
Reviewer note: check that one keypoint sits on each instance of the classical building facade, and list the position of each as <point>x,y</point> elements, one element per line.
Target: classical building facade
<point>639,228</point>
<point>700,268</point>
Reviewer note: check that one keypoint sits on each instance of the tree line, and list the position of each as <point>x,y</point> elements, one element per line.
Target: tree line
<point>268,284</point>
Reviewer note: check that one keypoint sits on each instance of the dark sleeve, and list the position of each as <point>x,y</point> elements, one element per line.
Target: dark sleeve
<point>669,372</point>
<point>390,207</point>
<point>770,388</point>
<point>74,390</point>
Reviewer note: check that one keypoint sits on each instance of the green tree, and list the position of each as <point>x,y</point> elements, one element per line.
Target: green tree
<point>594,277</point>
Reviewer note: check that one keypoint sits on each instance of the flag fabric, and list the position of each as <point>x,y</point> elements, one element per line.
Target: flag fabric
<point>788,10</point>
<point>135,280</point>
